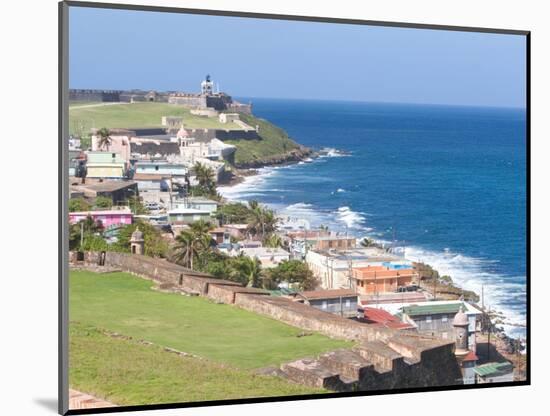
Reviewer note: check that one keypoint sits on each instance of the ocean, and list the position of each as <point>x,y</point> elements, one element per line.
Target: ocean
<point>446,183</point>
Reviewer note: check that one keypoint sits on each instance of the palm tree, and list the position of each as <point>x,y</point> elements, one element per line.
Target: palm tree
<point>205,177</point>
<point>104,138</point>
<point>247,269</point>
<point>193,243</point>
<point>273,240</point>
<point>261,221</point>
<point>367,242</point>
<point>184,249</point>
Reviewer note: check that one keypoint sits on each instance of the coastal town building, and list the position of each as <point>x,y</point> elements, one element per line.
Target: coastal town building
<point>182,216</point>
<point>334,268</point>
<point>116,190</point>
<point>342,302</point>
<point>220,235</point>
<point>118,142</point>
<point>237,231</point>
<point>150,182</point>
<point>382,318</point>
<point>494,373</point>
<point>384,278</point>
<point>107,165</point>
<point>195,202</point>
<point>268,257</point>
<point>161,167</point>
<point>108,218</point>
<point>436,318</point>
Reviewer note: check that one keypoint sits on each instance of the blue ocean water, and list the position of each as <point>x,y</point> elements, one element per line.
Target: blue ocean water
<point>447,183</point>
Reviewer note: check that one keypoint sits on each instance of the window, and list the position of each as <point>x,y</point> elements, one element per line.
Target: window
<point>324,304</point>
<point>444,335</point>
<point>428,319</point>
<point>348,303</point>
<point>444,318</point>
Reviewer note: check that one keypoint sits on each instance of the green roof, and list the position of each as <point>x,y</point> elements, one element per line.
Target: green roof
<point>432,309</point>
<point>282,292</point>
<point>494,369</point>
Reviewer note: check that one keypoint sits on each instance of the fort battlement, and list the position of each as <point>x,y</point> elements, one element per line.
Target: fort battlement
<point>382,358</point>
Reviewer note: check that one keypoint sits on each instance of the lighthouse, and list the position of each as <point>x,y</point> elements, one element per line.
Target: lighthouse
<point>207,86</point>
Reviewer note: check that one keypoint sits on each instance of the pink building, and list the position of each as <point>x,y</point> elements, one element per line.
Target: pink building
<point>108,218</point>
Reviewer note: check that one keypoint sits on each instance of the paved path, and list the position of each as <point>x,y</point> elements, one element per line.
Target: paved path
<point>94,105</point>
<point>79,400</point>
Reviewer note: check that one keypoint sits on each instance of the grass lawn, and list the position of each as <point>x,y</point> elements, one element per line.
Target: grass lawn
<point>128,373</point>
<point>123,303</point>
<point>137,115</point>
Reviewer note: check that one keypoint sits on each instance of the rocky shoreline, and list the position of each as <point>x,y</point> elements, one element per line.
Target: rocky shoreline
<point>504,344</point>
<point>294,156</point>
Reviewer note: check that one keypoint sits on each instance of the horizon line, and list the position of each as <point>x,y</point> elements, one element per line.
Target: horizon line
<point>514,107</point>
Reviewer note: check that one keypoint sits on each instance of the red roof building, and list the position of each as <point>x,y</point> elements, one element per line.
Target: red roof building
<point>380,317</point>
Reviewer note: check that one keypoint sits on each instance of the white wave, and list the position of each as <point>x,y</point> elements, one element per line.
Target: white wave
<point>501,293</point>
<point>341,190</point>
<point>332,152</point>
<point>250,184</point>
<point>351,218</point>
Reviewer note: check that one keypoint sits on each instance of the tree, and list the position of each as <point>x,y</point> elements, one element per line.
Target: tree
<point>294,272</point>
<point>273,240</point>
<point>246,270</point>
<point>446,279</point>
<point>205,177</point>
<point>136,206</point>
<point>82,230</point>
<point>78,205</point>
<point>184,250</point>
<point>154,244</point>
<point>261,220</point>
<point>367,242</point>
<point>233,212</point>
<point>104,138</point>
<point>103,202</point>
<point>194,244</point>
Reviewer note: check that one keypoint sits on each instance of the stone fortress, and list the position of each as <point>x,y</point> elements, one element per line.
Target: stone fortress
<point>381,359</point>
<point>207,98</point>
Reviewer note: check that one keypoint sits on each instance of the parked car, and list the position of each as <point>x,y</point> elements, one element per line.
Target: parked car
<point>410,288</point>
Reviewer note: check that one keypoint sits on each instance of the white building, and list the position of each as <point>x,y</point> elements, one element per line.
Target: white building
<point>228,117</point>
<point>199,203</point>
<point>333,267</point>
<point>269,257</point>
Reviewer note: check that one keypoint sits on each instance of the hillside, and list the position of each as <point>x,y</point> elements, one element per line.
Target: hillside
<point>129,372</point>
<point>273,147</point>
<point>83,117</point>
<point>126,304</point>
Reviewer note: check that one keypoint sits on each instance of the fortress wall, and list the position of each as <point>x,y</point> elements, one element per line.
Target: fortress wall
<point>158,270</point>
<point>205,135</point>
<point>401,359</point>
<point>309,318</point>
<point>94,95</point>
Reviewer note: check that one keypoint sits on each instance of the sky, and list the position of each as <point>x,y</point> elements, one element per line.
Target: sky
<point>121,49</point>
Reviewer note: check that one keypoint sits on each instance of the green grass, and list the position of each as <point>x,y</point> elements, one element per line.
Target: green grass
<point>125,372</point>
<point>224,333</point>
<point>137,115</point>
<point>274,141</point>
